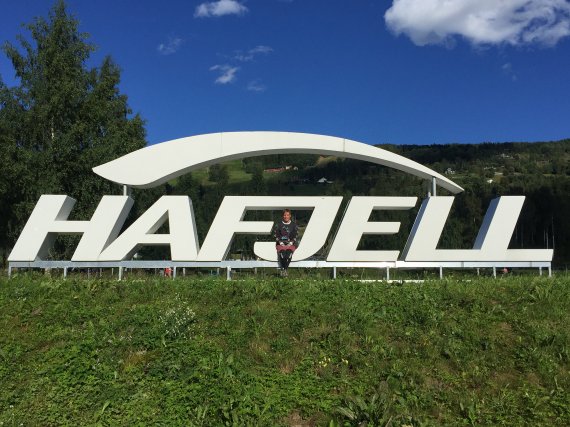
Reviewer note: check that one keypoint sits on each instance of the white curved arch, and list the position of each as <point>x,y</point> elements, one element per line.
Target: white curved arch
<point>157,164</point>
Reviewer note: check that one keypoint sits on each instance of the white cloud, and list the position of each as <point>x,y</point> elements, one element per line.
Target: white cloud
<point>261,49</point>
<point>219,8</point>
<point>227,73</point>
<point>509,71</point>
<point>256,86</point>
<point>482,22</point>
<point>250,54</point>
<point>172,46</point>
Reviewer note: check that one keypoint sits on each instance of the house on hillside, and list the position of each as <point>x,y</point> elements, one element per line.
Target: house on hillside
<point>280,169</point>
<point>274,170</point>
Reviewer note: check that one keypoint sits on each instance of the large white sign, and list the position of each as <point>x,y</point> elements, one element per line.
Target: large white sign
<point>157,164</point>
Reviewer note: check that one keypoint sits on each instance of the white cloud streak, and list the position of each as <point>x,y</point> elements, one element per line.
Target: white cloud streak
<point>256,86</point>
<point>261,49</point>
<point>172,46</point>
<point>481,22</point>
<point>227,73</point>
<point>509,71</point>
<point>219,8</point>
<point>250,54</point>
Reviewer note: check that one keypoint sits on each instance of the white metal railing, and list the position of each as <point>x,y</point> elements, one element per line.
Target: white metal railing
<point>230,265</point>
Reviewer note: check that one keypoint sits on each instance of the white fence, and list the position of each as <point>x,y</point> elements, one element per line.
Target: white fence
<point>233,265</point>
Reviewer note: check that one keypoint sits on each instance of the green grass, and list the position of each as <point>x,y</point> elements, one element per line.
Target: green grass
<point>284,352</point>
<point>236,174</point>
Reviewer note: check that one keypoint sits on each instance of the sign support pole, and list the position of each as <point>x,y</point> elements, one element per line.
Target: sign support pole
<point>126,192</point>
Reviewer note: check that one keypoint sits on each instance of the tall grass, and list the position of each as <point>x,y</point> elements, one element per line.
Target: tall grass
<point>284,352</point>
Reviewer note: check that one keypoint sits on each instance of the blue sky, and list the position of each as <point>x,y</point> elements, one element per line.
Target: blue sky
<point>401,72</point>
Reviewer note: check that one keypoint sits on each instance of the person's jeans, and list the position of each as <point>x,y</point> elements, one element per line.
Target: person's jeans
<point>284,258</point>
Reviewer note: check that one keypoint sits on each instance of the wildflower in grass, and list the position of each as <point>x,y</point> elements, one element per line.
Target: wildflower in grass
<point>178,319</point>
<point>324,362</point>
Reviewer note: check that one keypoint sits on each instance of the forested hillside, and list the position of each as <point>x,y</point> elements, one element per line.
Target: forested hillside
<point>539,171</point>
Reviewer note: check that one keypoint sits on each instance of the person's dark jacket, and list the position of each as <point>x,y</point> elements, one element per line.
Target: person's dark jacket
<point>286,233</point>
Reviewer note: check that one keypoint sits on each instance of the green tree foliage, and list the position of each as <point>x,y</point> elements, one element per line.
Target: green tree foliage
<point>258,184</point>
<point>60,121</point>
<point>219,174</point>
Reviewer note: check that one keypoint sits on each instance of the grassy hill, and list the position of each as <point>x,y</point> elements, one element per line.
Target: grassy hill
<point>291,352</point>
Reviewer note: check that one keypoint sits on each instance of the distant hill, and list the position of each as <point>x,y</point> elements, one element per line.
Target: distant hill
<point>540,171</point>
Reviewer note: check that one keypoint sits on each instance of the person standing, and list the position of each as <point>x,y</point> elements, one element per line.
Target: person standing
<point>285,232</point>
